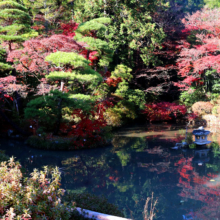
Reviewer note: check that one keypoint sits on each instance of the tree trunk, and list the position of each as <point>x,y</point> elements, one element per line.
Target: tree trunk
<point>62,86</point>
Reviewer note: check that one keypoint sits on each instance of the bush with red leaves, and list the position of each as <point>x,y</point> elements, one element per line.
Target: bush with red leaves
<point>164,111</point>
<point>69,29</point>
<point>88,131</point>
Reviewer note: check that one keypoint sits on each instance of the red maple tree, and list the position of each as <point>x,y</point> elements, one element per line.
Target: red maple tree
<point>200,50</point>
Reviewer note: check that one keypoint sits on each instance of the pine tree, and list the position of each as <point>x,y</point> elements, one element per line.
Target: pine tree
<point>50,10</point>
<point>74,69</point>
<point>79,78</point>
<point>15,23</point>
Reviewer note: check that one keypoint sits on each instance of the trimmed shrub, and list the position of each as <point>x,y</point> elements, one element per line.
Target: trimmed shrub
<point>202,108</point>
<point>216,110</point>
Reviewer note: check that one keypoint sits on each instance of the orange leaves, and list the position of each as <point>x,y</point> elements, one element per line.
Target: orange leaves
<point>113,81</point>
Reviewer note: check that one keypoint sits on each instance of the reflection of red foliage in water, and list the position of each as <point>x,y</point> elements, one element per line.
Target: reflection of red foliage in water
<point>112,178</point>
<point>193,187</point>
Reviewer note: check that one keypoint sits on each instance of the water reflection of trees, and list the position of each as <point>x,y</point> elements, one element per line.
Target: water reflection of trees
<point>111,172</point>
<point>196,179</point>
<point>120,169</point>
<point>128,172</point>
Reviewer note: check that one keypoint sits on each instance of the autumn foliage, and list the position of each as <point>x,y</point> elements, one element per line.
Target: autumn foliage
<point>88,130</point>
<point>31,58</point>
<point>164,111</point>
<point>199,50</point>
<point>202,108</point>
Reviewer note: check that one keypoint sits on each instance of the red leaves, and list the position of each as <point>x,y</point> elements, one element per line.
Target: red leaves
<point>88,130</point>
<point>69,29</point>
<point>202,53</point>
<point>38,27</point>
<point>91,55</point>
<point>8,97</point>
<point>7,80</point>
<point>163,111</point>
<point>113,81</point>
<point>31,57</point>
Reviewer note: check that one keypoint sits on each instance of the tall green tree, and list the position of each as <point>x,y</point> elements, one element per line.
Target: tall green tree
<point>15,23</point>
<point>132,34</point>
<point>50,10</point>
<point>78,80</point>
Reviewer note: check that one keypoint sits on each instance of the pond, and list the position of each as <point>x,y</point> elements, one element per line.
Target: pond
<point>139,162</point>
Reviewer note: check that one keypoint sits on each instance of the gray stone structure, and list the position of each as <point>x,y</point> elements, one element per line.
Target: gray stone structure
<point>201,136</point>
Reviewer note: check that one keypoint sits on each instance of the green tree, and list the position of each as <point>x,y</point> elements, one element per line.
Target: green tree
<point>15,23</point>
<point>76,77</point>
<point>50,9</point>
<point>132,34</point>
<point>130,101</point>
<point>81,77</point>
<point>212,3</point>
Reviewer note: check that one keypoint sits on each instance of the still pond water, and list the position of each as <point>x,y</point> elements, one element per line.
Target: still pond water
<point>138,163</point>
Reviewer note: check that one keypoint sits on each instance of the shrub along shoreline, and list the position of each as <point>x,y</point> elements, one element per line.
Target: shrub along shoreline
<point>38,195</point>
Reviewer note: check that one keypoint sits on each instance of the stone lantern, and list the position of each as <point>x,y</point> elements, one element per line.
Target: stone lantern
<point>201,136</point>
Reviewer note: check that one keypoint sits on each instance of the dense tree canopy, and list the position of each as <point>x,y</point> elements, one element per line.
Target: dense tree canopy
<point>132,34</point>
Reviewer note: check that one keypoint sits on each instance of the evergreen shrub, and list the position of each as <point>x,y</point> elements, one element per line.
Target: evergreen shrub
<point>189,97</point>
